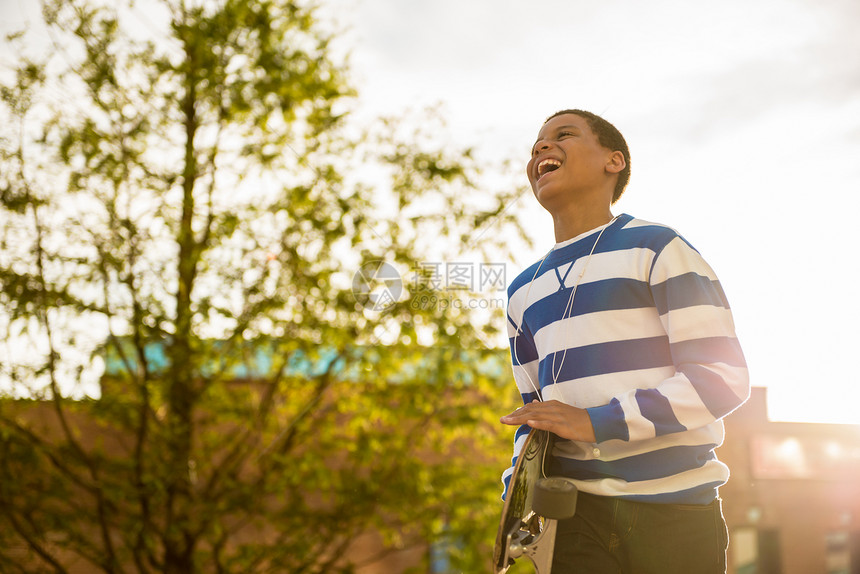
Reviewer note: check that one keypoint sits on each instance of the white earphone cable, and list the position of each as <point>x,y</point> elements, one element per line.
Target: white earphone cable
<point>567,310</point>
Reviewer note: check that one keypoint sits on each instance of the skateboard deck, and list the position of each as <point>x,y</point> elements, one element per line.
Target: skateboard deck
<point>517,512</point>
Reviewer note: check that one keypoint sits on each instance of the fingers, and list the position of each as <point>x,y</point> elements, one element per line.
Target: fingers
<point>562,419</point>
<point>516,417</point>
<point>539,411</point>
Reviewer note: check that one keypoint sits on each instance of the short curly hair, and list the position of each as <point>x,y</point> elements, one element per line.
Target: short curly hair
<point>610,138</point>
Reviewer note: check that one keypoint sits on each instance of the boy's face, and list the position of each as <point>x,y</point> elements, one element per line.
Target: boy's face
<point>567,158</point>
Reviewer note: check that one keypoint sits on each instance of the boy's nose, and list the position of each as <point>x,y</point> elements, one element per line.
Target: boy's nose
<point>540,146</point>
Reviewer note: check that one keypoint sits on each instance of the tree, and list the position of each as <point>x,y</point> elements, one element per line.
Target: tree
<point>185,199</point>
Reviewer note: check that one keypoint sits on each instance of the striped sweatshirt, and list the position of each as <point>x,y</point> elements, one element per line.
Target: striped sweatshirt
<point>648,348</point>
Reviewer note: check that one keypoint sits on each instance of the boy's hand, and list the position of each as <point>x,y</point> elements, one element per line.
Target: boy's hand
<point>563,420</point>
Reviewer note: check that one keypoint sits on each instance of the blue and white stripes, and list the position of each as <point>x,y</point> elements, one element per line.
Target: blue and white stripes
<point>649,348</point>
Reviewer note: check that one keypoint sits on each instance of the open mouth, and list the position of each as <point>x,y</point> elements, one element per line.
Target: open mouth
<point>547,165</point>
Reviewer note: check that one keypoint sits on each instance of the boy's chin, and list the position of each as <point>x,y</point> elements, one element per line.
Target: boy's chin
<point>551,197</point>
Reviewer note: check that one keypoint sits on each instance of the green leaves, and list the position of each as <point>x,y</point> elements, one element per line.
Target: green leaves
<point>186,203</point>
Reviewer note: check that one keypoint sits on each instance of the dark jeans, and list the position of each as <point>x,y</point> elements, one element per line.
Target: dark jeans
<point>612,536</point>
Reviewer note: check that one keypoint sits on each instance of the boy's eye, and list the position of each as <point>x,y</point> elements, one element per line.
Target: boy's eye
<point>563,134</point>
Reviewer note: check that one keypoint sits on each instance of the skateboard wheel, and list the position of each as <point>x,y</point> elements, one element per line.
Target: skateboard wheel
<point>554,498</point>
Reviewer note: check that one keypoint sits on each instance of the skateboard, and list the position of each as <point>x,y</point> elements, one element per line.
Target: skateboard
<point>532,508</point>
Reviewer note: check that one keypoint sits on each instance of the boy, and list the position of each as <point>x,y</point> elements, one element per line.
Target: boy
<point>623,346</point>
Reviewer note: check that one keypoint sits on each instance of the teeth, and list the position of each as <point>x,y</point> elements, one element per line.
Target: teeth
<point>547,165</point>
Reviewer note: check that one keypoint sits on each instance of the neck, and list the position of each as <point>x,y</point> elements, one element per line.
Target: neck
<point>573,222</point>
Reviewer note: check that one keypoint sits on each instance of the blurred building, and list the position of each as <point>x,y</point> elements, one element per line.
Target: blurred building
<point>793,501</point>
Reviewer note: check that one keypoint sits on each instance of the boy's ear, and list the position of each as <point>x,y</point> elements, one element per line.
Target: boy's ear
<point>615,162</point>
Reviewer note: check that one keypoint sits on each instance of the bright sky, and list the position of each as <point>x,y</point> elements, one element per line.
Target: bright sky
<point>743,119</point>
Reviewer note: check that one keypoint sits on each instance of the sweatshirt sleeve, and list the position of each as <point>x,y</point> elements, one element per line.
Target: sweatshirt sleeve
<point>711,377</point>
<point>524,362</point>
